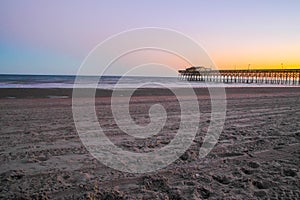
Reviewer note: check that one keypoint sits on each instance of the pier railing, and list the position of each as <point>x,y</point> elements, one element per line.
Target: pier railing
<point>267,76</point>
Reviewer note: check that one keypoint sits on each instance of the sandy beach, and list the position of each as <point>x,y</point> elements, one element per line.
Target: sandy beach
<point>256,157</point>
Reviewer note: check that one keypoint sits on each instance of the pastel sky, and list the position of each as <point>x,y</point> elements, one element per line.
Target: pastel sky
<point>53,37</point>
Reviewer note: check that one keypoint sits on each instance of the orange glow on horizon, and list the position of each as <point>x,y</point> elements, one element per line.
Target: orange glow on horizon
<point>259,59</point>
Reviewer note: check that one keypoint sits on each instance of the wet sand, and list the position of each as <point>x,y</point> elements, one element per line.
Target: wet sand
<point>257,156</point>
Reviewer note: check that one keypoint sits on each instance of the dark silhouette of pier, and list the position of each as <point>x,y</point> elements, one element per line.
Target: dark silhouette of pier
<point>267,76</point>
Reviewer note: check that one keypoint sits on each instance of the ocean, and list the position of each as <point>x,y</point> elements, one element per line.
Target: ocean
<point>109,82</point>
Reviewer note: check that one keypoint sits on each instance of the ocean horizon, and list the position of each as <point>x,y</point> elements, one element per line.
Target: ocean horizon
<point>111,82</point>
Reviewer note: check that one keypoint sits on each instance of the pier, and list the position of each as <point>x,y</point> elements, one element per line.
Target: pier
<point>262,76</point>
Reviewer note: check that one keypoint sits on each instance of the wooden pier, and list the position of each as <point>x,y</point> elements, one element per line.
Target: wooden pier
<point>264,76</point>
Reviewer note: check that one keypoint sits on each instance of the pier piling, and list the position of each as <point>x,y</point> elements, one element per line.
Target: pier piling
<point>264,76</point>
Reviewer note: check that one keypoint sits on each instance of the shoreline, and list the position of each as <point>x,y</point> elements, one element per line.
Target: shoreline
<point>31,93</point>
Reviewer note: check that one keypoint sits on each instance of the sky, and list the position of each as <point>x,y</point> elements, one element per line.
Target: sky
<point>55,36</point>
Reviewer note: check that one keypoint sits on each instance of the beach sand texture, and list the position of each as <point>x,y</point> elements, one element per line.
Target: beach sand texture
<point>257,156</point>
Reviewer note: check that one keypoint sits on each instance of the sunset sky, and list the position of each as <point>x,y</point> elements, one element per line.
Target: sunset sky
<point>53,37</point>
